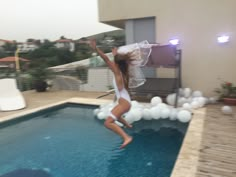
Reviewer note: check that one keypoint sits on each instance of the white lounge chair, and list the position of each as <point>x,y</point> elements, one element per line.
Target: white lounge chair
<point>10,96</point>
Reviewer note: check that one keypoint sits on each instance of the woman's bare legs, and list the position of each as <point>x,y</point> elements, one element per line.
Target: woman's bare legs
<point>109,123</point>
<point>123,121</point>
<point>118,111</point>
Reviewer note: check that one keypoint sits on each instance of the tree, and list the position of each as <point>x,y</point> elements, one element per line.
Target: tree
<point>10,47</point>
<point>65,56</point>
<point>62,37</point>
<point>30,40</point>
<point>2,53</point>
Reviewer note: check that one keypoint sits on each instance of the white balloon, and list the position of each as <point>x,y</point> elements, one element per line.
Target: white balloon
<point>96,111</point>
<point>170,99</point>
<point>201,101</point>
<point>187,92</point>
<point>101,115</point>
<point>105,110</point>
<point>137,114</point>
<point>140,106</point>
<point>161,106</point>
<point>134,115</point>
<point>134,103</point>
<point>197,93</point>
<point>227,110</point>
<point>155,112</point>
<point>181,101</point>
<point>173,114</point>
<point>181,92</point>
<point>194,98</point>
<point>189,100</point>
<point>212,100</point>
<point>103,105</point>
<point>129,117</point>
<point>194,104</point>
<point>156,100</point>
<point>184,116</point>
<point>147,114</point>
<point>165,113</point>
<point>187,106</point>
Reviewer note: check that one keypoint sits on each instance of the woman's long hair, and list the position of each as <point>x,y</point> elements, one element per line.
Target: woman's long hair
<point>122,61</point>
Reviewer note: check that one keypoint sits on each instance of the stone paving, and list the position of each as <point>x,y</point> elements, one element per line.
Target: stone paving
<point>35,99</point>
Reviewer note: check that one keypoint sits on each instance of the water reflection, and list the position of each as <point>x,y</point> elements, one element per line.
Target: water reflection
<point>153,151</point>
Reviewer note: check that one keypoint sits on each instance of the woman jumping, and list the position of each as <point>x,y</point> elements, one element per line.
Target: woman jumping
<point>127,74</point>
<point>120,82</point>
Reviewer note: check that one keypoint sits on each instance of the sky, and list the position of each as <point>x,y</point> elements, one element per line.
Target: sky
<point>49,19</point>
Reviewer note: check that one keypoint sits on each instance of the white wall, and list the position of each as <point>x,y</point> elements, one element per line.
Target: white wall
<point>197,23</point>
<point>98,79</point>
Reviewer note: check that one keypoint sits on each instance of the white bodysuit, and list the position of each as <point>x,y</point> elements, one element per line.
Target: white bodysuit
<point>120,94</point>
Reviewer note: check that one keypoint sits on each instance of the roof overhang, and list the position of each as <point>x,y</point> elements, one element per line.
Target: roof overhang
<point>115,23</point>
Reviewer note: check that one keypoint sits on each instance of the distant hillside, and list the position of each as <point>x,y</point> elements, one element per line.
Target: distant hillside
<point>114,33</point>
<point>107,40</point>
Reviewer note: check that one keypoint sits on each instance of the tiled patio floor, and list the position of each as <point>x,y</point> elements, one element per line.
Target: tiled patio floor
<point>209,147</point>
<point>36,99</point>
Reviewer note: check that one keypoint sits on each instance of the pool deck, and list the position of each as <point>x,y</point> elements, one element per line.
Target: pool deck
<point>209,146</point>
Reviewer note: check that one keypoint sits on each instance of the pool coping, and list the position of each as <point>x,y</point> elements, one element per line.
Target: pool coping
<point>87,101</point>
<point>187,159</point>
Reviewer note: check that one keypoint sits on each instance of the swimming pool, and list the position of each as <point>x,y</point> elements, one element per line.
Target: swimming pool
<point>68,141</point>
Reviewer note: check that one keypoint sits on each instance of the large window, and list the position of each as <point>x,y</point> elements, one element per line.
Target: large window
<point>140,29</point>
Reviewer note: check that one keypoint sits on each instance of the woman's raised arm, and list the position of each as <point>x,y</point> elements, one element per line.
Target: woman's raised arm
<point>102,55</point>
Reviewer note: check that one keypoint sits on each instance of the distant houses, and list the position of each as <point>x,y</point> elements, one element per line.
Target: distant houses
<point>4,42</point>
<point>25,47</point>
<point>65,44</point>
<point>32,44</point>
<point>9,62</point>
<point>7,45</point>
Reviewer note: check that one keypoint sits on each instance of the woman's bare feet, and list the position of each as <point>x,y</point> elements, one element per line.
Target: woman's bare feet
<point>123,121</point>
<point>126,142</point>
<point>128,126</point>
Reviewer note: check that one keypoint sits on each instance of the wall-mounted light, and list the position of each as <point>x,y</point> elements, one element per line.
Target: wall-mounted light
<point>174,41</point>
<point>223,39</point>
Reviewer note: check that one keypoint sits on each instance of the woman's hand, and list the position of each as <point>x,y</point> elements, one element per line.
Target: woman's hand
<point>114,51</point>
<point>93,44</point>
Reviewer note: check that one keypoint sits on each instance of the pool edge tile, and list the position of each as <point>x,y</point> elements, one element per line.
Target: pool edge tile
<point>77,100</point>
<point>188,157</point>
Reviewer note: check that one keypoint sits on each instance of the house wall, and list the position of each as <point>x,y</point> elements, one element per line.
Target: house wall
<point>197,24</point>
<point>99,79</point>
<point>68,45</point>
<point>2,43</point>
<point>26,47</point>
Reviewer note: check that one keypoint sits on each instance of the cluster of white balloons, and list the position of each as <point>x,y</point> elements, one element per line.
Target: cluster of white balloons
<point>147,111</point>
<point>187,101</point>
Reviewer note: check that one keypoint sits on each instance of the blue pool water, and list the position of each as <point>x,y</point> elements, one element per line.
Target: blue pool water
<point>68,141</point>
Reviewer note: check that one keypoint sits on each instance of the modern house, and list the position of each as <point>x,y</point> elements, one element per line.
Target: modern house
<point>25,47</point>
<point>4,42</point>
<point>201,27</point>
<point>65,44</point>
